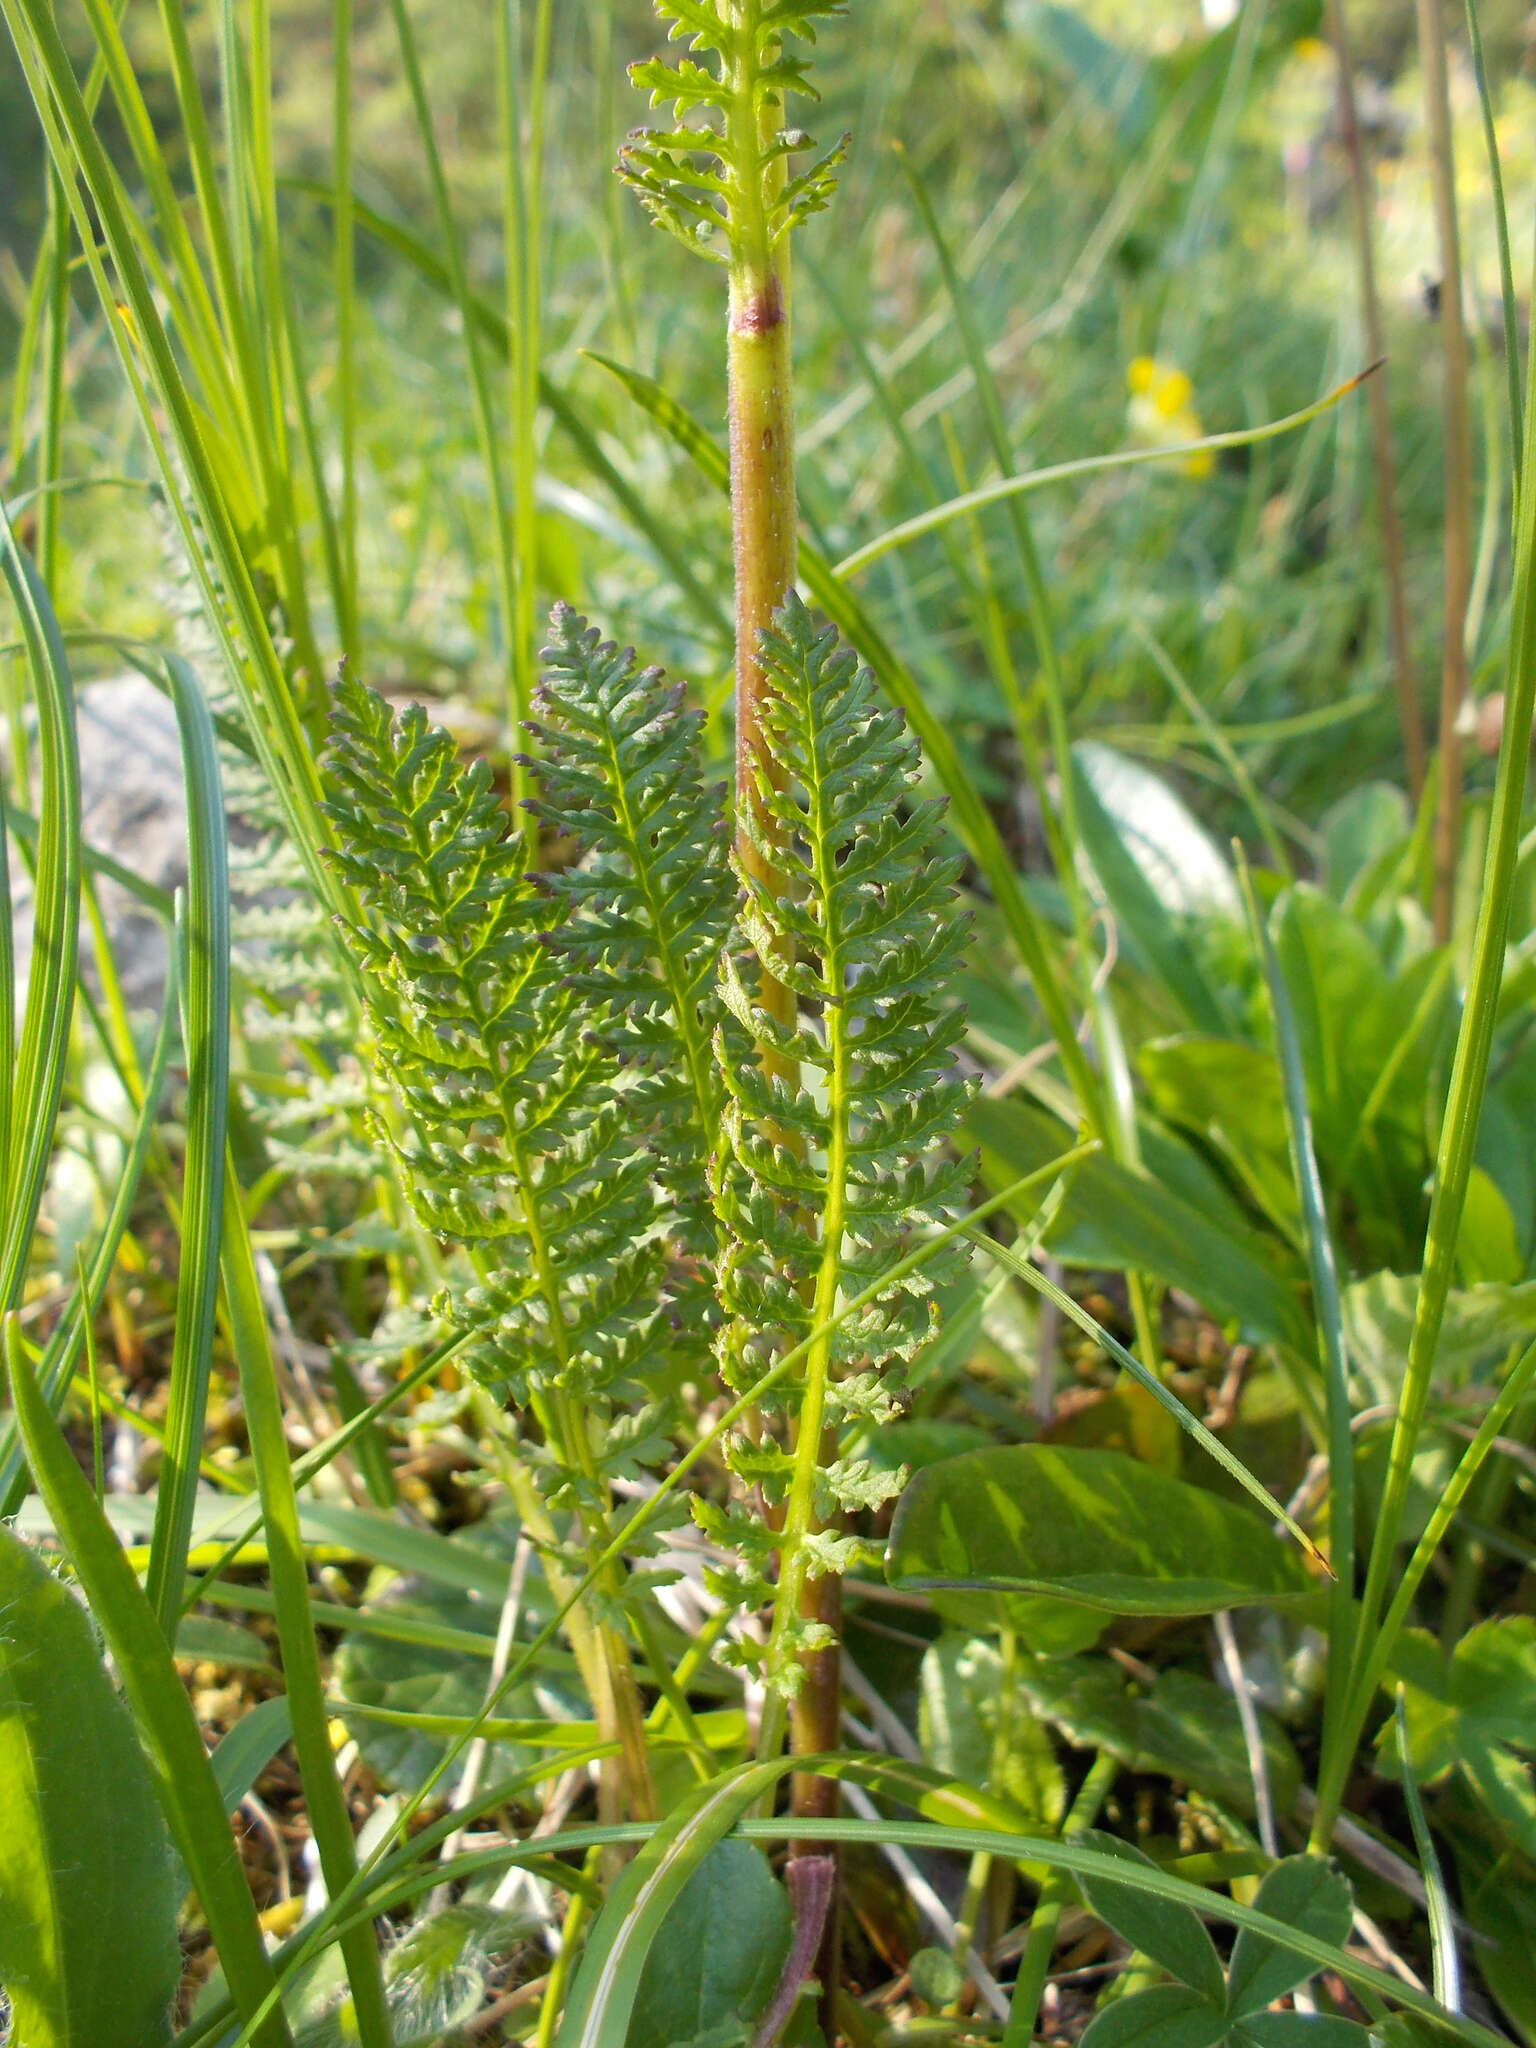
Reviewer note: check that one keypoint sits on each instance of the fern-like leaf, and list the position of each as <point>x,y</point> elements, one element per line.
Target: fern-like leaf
<point>646,912</point>
<point>828,1180</point>
<point>723,196</point>
<point>518,1144</point>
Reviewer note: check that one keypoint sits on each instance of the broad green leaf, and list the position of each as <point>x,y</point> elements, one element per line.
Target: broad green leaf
<point>607,1982</point>
<point>1503,1783</point>
<point>212,1641</point>
<point>1228,1093</point>
<point>244,1753</point>
<point>1088,1526</point>
<point>1173,1936</point>
<point>1185,871</point>
<point>88,1897</point>
<point>435,1974</point>
<point>1117,1216</point>
<point>714,1965</point>
<point>1298,2030</point>
<point>412,1678</point>
<point>1498,1898</point>
<point>961,1697</point>
<point>1152,863</point>
<point>1167,2016</point>
<point>1185,1727</point>
<point>1303,1891</point>
<point>184,1780</point>
<point>1482,1696</point>
<point>1480,1324</point>
<point>1487,1250</point>
<point>1370,822</point>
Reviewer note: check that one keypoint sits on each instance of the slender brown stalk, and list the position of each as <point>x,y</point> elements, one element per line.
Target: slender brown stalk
<point>1361,187</point>
<point>1457,429</point>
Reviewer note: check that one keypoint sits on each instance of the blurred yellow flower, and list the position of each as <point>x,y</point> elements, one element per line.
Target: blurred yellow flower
<point>1162,411</point>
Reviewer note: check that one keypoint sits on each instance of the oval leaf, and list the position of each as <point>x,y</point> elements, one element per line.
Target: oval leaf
<point>88,1949</point>
<point>1168,2016</point>
<point>1305,1892</point>
<point>717,1959</point>
<point>1173,1936</point>
<point>1089,1526</point>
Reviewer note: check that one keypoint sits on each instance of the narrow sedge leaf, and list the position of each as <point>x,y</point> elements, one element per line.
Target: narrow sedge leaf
<point>185,1783</point>
<point>1442,1921</point>
<point>204,934</point>
<point>36,1080</point>
<point>64,1343</point>
<point>1326,1302</point>
<point>1087,465</point>
<point>323,1794</point>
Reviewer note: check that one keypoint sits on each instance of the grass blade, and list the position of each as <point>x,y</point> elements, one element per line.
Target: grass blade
<point>1458,1134</point>
<point>1085,465</point>
<point>205,1032</point>
<point>323,1794</point>
<point>1323,1264</point>
<point>1507,298</point>
<point>57,1365</point>
<point>36,1079</point>
<point>1442,1921</point>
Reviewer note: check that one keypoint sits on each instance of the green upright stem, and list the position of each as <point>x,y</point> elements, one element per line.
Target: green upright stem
<point>1458,1140</point>
<point>1457,461</point>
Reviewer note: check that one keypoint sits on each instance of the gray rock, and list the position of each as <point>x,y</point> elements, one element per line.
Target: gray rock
<point>134,808</point>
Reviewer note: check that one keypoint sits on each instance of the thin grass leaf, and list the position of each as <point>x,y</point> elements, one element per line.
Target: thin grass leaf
<point>1458,1136</point>
<point>107,224</point>
<point>204,932</point>
<point>1323,1263</point>
<point>597,2013</point>
<point>35,1078</point>
<point>57,1364</point>
<point>1086,465</point>
<point>188,1791</point>
<point>1508,301</point>
<point>324,1797</point>
<point>1445,1961</point>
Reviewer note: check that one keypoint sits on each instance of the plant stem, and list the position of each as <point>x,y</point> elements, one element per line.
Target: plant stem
<point>1458,1139</point>
<point>1054,1894</point>
<point>762,530</point>
<point>1360,190</point>
<point>1458,457</point>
